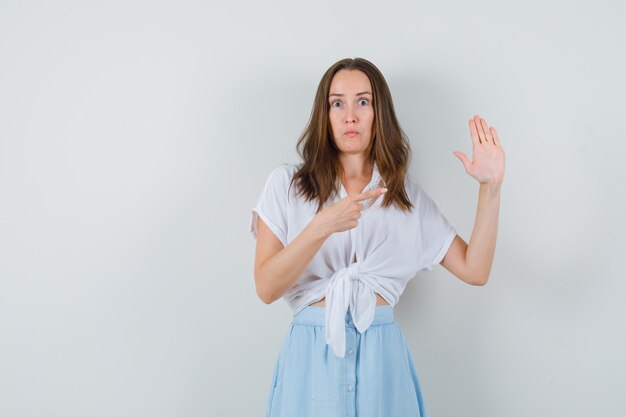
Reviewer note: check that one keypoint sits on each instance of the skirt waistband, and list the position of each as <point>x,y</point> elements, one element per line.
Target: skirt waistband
<point>316,316</point>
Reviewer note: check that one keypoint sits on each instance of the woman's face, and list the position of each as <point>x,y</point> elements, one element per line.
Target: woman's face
<point>351,111</point>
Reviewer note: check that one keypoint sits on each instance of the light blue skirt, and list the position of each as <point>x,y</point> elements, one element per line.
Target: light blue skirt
<point>376,378</point>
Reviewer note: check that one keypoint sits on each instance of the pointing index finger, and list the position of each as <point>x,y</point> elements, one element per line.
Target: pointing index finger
<point>369,194</point>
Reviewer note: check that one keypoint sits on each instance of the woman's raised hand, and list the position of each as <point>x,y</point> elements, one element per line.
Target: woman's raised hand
<point>345,213</point>
<point>487,164</point>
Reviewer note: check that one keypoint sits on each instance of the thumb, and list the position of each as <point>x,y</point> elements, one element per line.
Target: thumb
<point>466,162</point>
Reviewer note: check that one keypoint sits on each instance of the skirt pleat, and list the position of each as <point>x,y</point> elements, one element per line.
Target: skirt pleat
<point>376,378</point>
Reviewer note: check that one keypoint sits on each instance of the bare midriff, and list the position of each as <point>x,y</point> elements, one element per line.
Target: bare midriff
<point>379,301</point>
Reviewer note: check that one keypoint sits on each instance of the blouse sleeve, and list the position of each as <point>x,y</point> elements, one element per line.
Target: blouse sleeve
<point>435,233</point>
<point>271,205</point>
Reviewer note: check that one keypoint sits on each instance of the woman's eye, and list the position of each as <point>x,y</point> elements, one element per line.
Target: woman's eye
<point>365,100</point>
<point>335,102</point>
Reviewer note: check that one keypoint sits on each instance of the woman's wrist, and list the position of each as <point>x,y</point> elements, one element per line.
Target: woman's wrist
<point>318,230</point>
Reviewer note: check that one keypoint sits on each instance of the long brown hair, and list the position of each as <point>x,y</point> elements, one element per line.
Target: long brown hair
<point>316,178</point>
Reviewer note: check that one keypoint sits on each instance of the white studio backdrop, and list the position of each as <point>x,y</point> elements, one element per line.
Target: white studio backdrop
<point>135,137</point>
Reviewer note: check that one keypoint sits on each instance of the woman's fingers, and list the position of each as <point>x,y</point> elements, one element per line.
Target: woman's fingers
<point>486,130</point>
<point>369,194</point>
<point>481,132</point>
<point>494,134</point>
<point>474,133</point>
<point>479,128</point>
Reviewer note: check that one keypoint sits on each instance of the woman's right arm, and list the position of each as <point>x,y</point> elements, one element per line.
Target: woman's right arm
<point>277,267</point>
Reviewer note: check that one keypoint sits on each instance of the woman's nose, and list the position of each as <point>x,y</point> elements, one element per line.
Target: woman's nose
<point>350,115</point>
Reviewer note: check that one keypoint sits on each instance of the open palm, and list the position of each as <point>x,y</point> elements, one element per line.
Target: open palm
<point>487,164</point>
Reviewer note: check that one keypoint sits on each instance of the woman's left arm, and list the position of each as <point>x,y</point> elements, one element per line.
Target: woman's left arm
<point>472,263</point>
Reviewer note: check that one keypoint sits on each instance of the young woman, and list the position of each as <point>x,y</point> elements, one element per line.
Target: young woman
<point>340,235</point>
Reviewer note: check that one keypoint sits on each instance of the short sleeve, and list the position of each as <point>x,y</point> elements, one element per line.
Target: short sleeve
<point>436,233</point>
<point>271,205</point>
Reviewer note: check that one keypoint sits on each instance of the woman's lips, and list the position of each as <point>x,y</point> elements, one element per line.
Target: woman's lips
<point>351,133</point>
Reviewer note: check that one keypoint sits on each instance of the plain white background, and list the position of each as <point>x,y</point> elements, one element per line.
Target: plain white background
<point>135,137</point>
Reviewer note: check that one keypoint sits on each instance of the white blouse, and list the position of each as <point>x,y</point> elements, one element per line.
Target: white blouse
<point>390,247</point>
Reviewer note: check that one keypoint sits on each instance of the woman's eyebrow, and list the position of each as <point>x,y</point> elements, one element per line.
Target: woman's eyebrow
<point>358,94</point>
